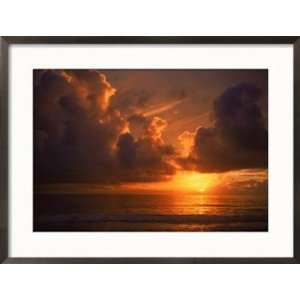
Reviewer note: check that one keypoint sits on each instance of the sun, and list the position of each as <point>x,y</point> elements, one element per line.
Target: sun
<point>191,181</point>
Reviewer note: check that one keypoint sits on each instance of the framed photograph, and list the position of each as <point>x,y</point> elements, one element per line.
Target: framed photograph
<point>150,150</point>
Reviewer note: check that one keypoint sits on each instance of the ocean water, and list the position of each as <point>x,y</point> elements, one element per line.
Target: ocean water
<point>144,212</point>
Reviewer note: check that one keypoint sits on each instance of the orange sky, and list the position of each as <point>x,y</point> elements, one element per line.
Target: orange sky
<point>142,129</point>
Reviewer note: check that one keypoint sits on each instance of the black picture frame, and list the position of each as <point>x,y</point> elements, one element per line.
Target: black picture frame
<point>6,42</point>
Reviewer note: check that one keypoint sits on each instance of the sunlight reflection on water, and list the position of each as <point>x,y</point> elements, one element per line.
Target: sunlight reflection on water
<point>167,212</point>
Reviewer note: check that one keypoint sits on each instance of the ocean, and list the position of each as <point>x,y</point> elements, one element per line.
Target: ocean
<point>149,212</point>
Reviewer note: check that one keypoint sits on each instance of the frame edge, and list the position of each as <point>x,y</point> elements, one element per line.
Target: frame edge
<point>297,150</point>
<point>3,149</point>
<point>4,144</point>
<point>151,39</point>
<point>150,260</point>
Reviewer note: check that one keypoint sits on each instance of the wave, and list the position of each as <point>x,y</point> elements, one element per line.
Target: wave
<point>151,218</point>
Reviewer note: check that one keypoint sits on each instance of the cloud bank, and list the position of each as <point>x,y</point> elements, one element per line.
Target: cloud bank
<point>238,139</point>
<point>80,137</point>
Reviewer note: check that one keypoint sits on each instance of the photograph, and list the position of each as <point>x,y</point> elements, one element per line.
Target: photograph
<point>150,150</point>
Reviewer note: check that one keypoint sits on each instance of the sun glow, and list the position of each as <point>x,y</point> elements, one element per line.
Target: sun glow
<point>189,181</point>
<point>182,182</point>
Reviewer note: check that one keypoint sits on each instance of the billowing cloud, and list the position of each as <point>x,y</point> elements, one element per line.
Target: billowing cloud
<point>238,139</point>
<point>144,159</point>
<point>92,87</point>
<point>85,129</point>
<point>148,127</point>
<point>155,129</point>
<point>79,136</point>
<point>143,154</point>
<point>186,140</point>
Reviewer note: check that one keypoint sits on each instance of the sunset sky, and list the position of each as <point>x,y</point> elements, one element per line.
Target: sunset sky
<point>158,131</point>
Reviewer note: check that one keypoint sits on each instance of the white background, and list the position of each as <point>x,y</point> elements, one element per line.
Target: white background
<point>277,242</point>
<point>147,18</point>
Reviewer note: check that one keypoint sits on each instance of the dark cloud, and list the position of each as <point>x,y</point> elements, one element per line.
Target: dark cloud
<point>138,124</point>
<point>149,127</point>
<point>142,153</point>
<point>82,134</point>
<point>238,139</point>
<point>144,159</point>
<point>79,136</point>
